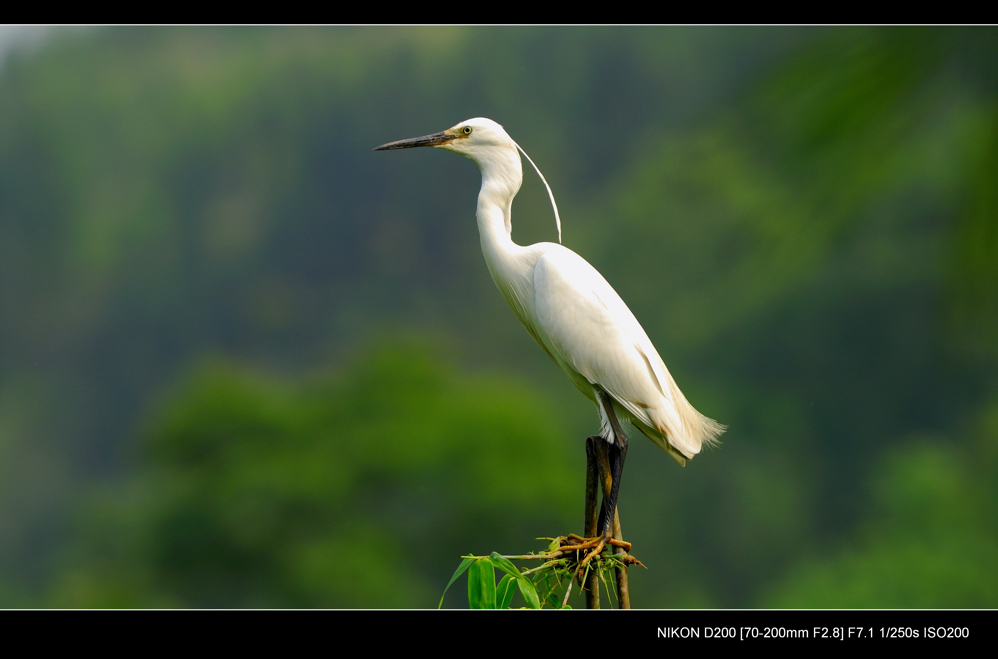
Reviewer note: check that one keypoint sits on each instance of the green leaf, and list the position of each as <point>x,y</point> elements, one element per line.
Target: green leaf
<point>482,585</point>
<point>529,593</point>
<point>609,595</point>
<point>505,565</point>
<point>504,591</point>
<point>458,572</point>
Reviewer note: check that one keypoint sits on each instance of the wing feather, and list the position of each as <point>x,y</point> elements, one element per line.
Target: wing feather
<point>590,330</point>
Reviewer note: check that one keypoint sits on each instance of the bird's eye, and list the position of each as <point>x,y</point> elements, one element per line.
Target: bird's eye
<point>467,130</point>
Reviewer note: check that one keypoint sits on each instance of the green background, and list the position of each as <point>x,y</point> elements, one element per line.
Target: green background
<point>246,361</point>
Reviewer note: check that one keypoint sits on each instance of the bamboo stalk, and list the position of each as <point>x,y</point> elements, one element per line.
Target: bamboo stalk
<point>592,476</point>
<point>623,590</point>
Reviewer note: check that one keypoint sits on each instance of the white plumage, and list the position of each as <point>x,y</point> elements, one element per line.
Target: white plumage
<point>569,308</point>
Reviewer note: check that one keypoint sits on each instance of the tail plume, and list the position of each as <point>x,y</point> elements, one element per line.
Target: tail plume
<point>696,430</point>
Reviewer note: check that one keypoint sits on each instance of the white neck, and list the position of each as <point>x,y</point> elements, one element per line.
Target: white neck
<point>502,175</point>
<point>509,263</point>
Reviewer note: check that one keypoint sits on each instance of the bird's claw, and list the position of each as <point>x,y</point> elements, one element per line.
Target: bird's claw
<point>573,542</point>
<point>596,551</point>
<point>591,547</point>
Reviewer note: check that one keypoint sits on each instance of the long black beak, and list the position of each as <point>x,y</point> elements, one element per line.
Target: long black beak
<point>436,139</point>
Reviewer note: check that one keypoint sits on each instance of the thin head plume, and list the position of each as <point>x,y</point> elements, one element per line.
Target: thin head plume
<point>557,218</point>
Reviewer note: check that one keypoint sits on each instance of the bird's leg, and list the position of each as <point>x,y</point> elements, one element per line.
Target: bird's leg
<point>620,547</point>
<point>604,473</point>
<point>611,486</point>
<point>604,464</point>
<point>610,459</point>
<point>617,454</point>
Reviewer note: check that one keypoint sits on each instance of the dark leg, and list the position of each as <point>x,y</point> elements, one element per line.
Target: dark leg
<point>604,465</point>
<point>617,454</point>
<point>605,475</point>
<point>609,518</point>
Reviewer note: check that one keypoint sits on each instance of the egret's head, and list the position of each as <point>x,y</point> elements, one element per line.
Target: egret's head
<point>485,142</point>
<point>469,138</point>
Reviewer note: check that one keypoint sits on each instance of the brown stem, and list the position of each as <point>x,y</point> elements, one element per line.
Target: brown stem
<point>623,590</point>
<point>592,476</point>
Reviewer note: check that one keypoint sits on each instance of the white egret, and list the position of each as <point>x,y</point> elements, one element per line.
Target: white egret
<point>573,313</point>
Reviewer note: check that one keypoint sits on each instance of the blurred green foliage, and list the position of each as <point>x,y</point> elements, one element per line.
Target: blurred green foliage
<point>931,542</point>
<point>805,221</point>
<point>346,490</point>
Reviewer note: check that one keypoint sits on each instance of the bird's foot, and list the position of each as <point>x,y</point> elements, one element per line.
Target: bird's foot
<point>581,553</point>
<point>595,551</point>
<point>573,542</point>
<point>585,549</point>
